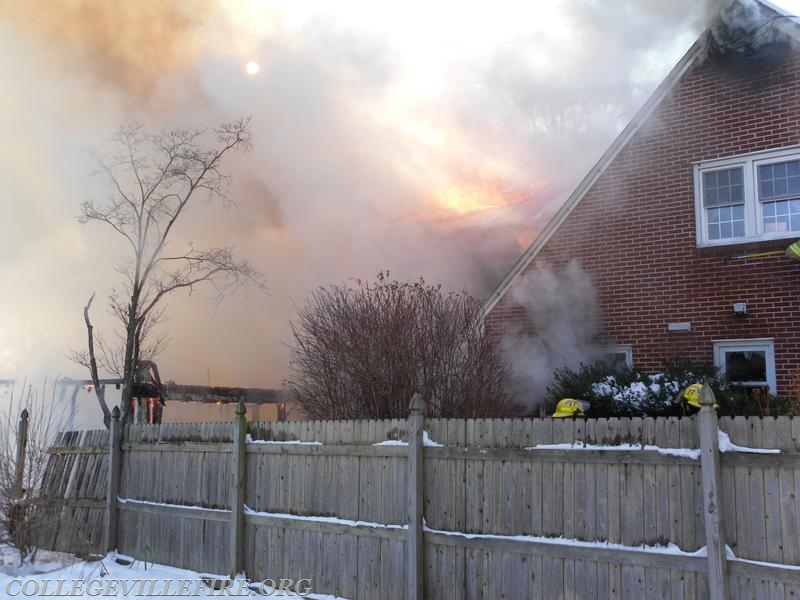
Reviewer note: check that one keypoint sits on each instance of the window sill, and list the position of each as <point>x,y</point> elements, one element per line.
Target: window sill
<point>745,247</point>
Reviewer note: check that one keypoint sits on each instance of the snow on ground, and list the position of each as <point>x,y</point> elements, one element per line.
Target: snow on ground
<point>108,578</point>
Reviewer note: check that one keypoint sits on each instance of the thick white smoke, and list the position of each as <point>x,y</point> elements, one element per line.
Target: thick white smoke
<point>365,122</point>
<point>563,310</point>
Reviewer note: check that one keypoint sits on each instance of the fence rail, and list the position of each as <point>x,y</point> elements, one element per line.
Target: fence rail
<point>502,518</point>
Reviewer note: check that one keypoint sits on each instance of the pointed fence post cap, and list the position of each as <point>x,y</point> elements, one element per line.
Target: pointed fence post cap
<point>416,405</point>
<point>115,413</point>
<point>707,396</point>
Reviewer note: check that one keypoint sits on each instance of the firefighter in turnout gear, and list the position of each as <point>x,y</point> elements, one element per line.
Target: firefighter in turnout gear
<point>569,407</point>
<point>148,394</point>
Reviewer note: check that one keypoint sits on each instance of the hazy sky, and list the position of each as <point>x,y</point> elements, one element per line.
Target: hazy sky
<point>428,138</point>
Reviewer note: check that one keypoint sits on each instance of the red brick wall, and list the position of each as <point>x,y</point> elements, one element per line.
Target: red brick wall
<point>634,231</point>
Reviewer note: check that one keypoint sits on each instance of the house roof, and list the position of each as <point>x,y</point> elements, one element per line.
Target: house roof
<point>782,21</point>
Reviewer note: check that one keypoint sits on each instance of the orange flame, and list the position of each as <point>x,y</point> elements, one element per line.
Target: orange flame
<point>465,199</point>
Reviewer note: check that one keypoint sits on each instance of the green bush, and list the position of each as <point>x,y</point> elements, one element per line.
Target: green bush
<point>631,392</point>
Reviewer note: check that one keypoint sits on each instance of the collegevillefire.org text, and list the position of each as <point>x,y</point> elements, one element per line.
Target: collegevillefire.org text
<point>175,588</point>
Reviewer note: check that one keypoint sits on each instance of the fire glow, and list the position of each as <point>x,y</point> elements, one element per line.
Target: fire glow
<point>465,199</point>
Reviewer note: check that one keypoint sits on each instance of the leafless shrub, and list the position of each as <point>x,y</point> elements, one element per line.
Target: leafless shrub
<point>362,349</point>
<point>27,429</point>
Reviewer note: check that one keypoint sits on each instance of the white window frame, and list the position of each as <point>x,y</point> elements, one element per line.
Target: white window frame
<point>627,349</point>
<point>753,218</point>
<point>767,345</point>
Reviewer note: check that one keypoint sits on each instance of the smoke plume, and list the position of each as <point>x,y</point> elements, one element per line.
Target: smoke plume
<point>391,137</point>
<point>563,309</point>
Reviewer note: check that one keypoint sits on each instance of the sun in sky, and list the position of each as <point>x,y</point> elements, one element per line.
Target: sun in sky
<point>252,68</point>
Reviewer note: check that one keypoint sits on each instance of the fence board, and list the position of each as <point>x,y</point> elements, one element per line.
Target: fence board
<point>482,482</point>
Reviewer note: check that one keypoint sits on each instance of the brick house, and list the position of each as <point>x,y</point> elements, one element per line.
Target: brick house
<point>707,171</point>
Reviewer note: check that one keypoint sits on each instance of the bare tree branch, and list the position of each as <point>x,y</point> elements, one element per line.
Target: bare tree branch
<point>155,179</point>
<point>99,390</point>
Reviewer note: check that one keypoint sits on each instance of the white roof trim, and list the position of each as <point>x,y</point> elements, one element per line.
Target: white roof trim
<point>788,26</point>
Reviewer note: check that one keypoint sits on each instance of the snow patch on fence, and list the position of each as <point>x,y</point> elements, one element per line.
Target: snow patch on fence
<point>318,519</point>
<point>672,549</point>
<point>426,441</point>
<point>249,439</point>
<point>684,452</point>
<point>725,445</point>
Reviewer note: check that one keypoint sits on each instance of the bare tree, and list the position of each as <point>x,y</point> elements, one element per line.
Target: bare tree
<point>28,426</point>
<point>154,180</point>
<point>361,350</point>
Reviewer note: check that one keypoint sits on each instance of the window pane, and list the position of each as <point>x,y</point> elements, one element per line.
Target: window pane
<point>616,360</point>
<point>747,365</point>
<point>725,222</point>
<point>779,179</point>
<point>723,187</point>
<point>783,215</point>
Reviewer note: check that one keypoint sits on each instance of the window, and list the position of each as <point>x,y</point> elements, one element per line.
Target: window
<point>618,355</point>
<point>750,197</point>
<point>750,363</point>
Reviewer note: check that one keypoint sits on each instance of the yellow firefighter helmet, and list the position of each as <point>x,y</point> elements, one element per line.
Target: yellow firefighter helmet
<point>692,394</point>
<point>569,407</point>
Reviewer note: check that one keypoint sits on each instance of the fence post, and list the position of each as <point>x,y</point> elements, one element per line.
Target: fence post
<point>712,484</point>
<point>239,478</point>
<point>415,559</point>
<point>114,468</point>
<point>22,445</point>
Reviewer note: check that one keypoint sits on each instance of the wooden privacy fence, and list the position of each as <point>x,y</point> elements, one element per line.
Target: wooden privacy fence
<point>505,516</point>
